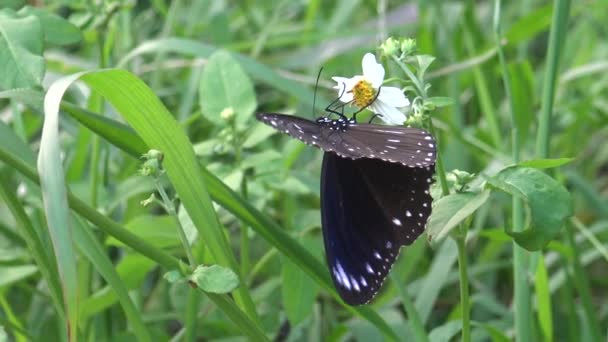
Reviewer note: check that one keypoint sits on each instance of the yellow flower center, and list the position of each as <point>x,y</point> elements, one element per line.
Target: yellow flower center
<point>363,94</point>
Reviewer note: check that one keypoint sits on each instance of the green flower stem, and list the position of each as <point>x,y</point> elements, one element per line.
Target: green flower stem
<point>170,208</point>
<point>417,83</point>
<point>521,288</point>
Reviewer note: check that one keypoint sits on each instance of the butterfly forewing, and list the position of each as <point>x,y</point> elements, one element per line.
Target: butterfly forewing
<point>408,146</point>
<point>367,215</point>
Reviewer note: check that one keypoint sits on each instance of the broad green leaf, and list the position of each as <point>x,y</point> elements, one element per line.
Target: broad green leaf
<point>545,163</point>
<point>549,204</point>
<point>21,61</point>
<point>226,87</point>
<point>57,31</point>
<point>449,211</point>
<point>215,279</point>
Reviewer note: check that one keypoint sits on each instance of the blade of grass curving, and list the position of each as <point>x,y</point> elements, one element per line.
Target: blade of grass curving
<point>155,125</point>
<point>131,143</point>
<point>54,194</point>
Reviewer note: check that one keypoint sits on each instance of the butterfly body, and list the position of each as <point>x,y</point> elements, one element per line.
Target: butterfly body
<point>375,195</point>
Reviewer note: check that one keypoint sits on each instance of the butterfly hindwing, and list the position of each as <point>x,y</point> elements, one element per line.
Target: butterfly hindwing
<point>367,215</point>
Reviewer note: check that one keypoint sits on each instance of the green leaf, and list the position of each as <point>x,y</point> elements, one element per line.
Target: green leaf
<point>215,279</point>
<point>54,194</point>
<point>545,163</point>
<point>57,31</point>
<point>449,211</point>
<point>21,61</point>
<point>548,203</point>
<point>225,86</point>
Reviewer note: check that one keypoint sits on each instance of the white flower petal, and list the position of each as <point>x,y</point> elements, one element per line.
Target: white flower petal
<point>393,96</point>
<point>390,114</point>
<point>372,70</point>
<point>345,86</point>
<point>346,97</point>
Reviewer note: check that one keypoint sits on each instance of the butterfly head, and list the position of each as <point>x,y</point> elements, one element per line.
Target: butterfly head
<point>340,124</point>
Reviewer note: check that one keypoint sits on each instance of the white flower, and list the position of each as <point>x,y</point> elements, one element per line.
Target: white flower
<point>360,90</point>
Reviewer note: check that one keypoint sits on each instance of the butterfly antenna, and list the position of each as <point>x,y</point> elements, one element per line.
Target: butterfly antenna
<point>314,98</point>
<point>334,111</point>
<point>367,105</point>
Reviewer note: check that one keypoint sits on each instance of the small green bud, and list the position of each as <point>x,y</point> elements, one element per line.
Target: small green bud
<point>390,47</point>
<point>227,114</point>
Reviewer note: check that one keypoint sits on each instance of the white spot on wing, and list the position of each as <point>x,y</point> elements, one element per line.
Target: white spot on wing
<point>369,268</point>
<point>397,222</point>
<point>408,213</point>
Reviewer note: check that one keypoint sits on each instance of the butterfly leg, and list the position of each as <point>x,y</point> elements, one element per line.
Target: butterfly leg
<point>334,111</point>
<point>367,105</point>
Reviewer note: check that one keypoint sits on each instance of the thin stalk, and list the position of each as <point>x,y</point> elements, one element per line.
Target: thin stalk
<point>521,288</point>
<point>557,35</point>
<point>170,207</point>
<point>461,238</point>
<point>465,304</point>
<point>417,83</point>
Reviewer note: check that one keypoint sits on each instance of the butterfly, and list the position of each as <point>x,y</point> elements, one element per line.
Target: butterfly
<point>375,194</point>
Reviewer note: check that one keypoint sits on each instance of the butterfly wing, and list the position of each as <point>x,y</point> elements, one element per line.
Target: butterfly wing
<point>302,129</point>
<point>369,209</point>
<point>408,146</point>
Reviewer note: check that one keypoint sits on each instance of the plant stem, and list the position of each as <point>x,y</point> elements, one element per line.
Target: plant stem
<point>418,83</point>
<point>521,288</point>
<point>464,284</point>
<point>170,207</point>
